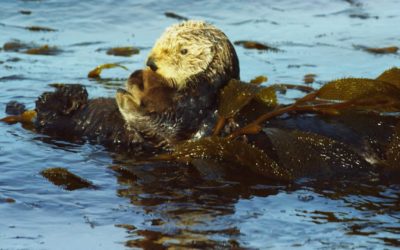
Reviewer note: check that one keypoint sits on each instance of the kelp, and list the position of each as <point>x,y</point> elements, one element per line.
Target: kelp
<point>40,28</point>
<point>363,93</point>
<point>305,154</point>
<point>391,76</point>
<point>342,94</point>
<point>65,179</point>
<point>355,88</point>
<point>258,80</point>
<point>95,73</point>
<point>309,78</point>
<point>233,97</point>
<point>26,117</point>
<point>239,154</point>
<point>382,50</point>
<point>123,51</point>
<point>256,45</point>
<point>7,200</point>
<point>43,50</point>
<point>16,45</point>
<point>292,153</point>
<point>25,12</point>
<point>175,16</point>
<point>268,96</point>
<point>31,48</point>
<point>393,149</point>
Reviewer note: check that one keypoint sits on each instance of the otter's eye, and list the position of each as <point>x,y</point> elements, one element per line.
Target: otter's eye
<point>184,51</point>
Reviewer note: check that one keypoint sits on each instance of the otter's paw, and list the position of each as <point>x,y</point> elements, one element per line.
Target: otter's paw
<point>64,101</point>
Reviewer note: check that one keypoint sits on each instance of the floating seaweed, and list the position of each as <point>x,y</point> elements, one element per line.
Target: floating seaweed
<point>95,73</point>
<point>31,48</point>
<point>393,148</point>
<point>391,76</point>
<point>40,28</point>
<point>308,154</point>
<point>25,12</point>
<point>268,96</point>
<point>309,78</point>
<point>16,45</point>
<point>26,117</point>
<point>342,94</point>
<point>123,51</point>
<point>65,179</point>
<point>43,50</point>
<point>383,50</point>
<point>378,95</point>
<point>258,80</point>
<point>7,200</point>
<point>234,96</point>
<point>256,45</point>
<point>175,16</point>
<point>238,153</point>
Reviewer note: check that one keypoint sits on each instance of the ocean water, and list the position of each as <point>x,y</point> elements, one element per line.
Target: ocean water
<point>168,205</point>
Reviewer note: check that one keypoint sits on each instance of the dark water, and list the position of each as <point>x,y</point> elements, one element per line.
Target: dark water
<point>176,206</point>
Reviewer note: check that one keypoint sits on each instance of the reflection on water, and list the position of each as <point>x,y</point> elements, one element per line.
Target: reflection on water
<point>156,205</point>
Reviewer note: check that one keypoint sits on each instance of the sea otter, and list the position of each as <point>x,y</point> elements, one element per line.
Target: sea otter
<point>167,101</point>
<point>195,59</point>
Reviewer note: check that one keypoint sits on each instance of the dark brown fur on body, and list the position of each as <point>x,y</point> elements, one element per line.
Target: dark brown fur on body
<point>166,115</point>
<point>158,110</point>
<point>68,113</point>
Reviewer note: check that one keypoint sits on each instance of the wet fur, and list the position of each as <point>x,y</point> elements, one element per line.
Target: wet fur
<point>68,113</point>
<point>157,109</point>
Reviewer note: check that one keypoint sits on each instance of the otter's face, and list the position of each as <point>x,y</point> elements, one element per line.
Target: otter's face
<point>191,49</point>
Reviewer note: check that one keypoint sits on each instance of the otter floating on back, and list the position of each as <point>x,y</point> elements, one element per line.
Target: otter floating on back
<point>166,102</point>
<point>177,94</point>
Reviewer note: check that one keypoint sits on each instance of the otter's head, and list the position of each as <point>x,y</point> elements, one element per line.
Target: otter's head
<point>194,50</point>
<point>178,91</point>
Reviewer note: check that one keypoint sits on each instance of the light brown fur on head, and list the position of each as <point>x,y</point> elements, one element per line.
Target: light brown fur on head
<point>192,48</point>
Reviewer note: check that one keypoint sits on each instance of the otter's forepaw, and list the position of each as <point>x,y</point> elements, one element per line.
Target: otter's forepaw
<point>66,99</point>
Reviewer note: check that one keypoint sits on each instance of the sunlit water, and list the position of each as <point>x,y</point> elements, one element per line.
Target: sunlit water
<point>173,205</point>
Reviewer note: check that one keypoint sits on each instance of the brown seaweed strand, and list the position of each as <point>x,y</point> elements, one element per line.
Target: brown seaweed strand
<point>255,126</point>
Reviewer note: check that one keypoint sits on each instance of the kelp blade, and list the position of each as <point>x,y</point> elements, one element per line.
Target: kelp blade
<point>234,97</point>
<point>123,51</point>
<point>25,117</point>
<point>391,75</point>
<point>65,179</point>
<point>95,73</point>
<point>237,153</point>
<point>368,93</point>
<point>305,154</point>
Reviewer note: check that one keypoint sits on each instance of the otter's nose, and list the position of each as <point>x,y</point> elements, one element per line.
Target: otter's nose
<point>152,64</point>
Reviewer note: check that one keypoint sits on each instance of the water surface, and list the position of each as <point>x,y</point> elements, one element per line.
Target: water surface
<point>171,205</point>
